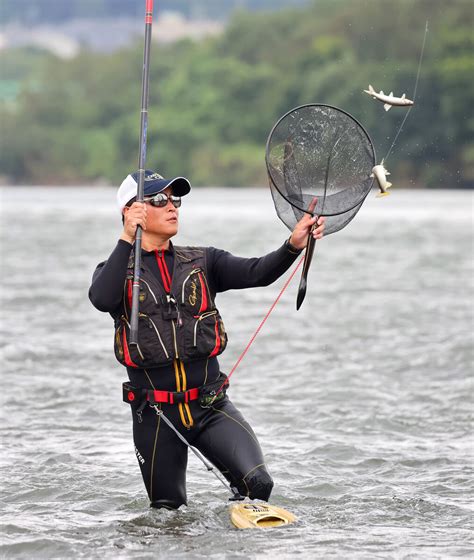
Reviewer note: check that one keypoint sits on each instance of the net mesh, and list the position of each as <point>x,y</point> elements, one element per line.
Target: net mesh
<point>319,151</point>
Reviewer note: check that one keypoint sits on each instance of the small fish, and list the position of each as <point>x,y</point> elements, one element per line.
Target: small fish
<point>389,100</point>
<point>380,174</point>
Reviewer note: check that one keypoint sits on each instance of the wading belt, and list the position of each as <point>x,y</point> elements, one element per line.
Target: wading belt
<point>139,397</point>
<point>136,395</point>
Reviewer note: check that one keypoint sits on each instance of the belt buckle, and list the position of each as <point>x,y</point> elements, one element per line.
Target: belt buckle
<point>179,398</point>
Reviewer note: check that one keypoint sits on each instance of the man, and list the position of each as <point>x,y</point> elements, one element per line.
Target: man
<point>180,334</point>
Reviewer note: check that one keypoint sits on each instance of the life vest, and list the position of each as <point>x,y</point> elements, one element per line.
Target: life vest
<point>183,323</point>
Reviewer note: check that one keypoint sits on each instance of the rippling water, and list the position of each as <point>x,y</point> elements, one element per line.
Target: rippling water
<point>362,400</point>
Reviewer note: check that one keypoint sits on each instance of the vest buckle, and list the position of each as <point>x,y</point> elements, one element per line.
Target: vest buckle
<point>170,307</point>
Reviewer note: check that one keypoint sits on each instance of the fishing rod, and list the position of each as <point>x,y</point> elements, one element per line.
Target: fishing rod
<point>141,170</point>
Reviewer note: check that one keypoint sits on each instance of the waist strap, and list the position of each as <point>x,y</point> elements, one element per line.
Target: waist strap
<point>134,395</point>
<point>171,397</point>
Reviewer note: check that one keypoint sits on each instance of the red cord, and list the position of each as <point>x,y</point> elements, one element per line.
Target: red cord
<point>254,336</point>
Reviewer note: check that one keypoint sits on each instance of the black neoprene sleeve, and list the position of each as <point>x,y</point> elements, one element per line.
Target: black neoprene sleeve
<point>108,280</point>
<point>226,272</point>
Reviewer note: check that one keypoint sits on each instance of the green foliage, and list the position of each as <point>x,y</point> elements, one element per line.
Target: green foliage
<point>37,11</point>
<point>213,103</point>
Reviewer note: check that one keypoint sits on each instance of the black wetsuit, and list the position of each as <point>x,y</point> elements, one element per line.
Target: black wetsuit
<point>220,432</point>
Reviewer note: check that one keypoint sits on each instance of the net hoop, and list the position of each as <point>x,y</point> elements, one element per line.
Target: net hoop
<point>269,167</point>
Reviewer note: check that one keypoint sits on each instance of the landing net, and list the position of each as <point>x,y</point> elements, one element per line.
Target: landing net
<point>319,151</point>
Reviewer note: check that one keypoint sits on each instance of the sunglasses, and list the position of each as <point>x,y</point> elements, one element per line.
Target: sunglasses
<point>160,200</point>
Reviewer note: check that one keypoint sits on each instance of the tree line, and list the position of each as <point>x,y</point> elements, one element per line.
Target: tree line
<point>56,11</point>
<point>213,103</point>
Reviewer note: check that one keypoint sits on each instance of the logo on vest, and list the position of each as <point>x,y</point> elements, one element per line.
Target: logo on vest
<point>193,295</point>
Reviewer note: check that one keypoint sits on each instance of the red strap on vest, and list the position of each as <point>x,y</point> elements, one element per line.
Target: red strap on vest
<point>165,274</point>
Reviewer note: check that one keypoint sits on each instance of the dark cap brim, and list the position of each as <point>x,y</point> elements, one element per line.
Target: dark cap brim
<point>180,185</point>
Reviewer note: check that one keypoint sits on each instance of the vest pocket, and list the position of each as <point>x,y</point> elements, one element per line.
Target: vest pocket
<point>208,337</point>
<point>194,293</point>
<point>150,350</point>
<point>146,292</point>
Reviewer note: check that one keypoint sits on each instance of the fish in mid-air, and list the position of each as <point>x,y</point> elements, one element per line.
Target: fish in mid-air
<point>380,174</point>
<point>389,100</point>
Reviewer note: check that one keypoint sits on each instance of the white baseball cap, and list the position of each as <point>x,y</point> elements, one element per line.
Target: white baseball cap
<point>153,184</point>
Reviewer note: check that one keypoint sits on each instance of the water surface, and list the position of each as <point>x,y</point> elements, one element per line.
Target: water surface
<point>362,400</point>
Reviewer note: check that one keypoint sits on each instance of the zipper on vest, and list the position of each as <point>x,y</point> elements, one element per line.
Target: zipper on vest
<point>125,292</point>
<point>194,271</point>
<point>156,331</point>
<point>167,282</point>
<point>125,340</point>
<point>149,289</point>
<point>204,298</point>
<point>205,293</point>
<point>203,316</point>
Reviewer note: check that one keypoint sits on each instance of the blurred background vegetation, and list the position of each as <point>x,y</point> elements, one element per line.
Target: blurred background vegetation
<point>214,101</point>
<point>35,11</point>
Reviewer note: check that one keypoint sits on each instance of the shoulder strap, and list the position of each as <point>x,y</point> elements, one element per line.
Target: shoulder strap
<point>188,254</point>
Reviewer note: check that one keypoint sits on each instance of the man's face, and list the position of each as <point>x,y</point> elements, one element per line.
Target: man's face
<point>162,221</point>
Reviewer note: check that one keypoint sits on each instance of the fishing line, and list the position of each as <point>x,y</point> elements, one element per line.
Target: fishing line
<point>235,493</point>
<point>243,515</point>
<point>298,155</point>
<point>199,455</point>
<point>414,94</point>
<point>255,334</point>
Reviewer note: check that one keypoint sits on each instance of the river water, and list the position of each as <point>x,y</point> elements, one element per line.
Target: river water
<point>362,400</point>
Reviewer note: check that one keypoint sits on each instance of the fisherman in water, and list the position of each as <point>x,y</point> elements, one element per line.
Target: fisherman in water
<point>180,334</point>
